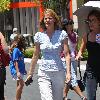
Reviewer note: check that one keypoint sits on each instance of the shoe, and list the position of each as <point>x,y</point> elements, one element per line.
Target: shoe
<point>65,98</point>
<point>83,98</point>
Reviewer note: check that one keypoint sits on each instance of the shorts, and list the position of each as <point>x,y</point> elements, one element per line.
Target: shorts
<point>16,78</point>
<point>73,80</point>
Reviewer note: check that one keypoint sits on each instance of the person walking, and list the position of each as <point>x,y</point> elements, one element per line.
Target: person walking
<point>3,48</point>
<point>67,25</point>
<point>51,73</point>
<point>17,65</point>
<point>15,33</point>
<point>91,41</point>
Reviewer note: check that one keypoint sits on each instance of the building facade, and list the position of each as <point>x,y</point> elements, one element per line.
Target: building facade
<point>26,15</point>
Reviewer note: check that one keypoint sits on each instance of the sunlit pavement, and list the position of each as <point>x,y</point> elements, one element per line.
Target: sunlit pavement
<point>31,92</point>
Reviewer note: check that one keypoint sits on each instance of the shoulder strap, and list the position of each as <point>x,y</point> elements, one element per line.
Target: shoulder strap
<point>87,36</point>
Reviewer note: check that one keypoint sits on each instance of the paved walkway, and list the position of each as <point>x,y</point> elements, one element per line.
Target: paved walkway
<point>31,92</point>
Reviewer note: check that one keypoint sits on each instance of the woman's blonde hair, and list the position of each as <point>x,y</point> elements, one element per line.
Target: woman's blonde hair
<point>54,15</point>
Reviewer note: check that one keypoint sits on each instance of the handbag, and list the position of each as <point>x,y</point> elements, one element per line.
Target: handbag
<point>80,82</point>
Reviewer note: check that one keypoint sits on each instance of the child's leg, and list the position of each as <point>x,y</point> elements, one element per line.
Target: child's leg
<point>20,84</point>
<point>74,79</point>
<point>65,90</point>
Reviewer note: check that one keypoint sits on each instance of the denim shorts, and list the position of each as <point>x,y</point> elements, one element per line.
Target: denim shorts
<point>16,78</point>
<point>74,65</point>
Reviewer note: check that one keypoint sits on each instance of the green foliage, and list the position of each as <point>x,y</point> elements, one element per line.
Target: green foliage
<point>4,5</point>
<point>80,3</point>
<point>59,6</point>
<point>50,4</point>
<point>29,53</point>
<point>85,55</point>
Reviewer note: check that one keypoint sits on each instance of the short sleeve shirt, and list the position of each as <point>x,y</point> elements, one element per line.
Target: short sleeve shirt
<point>17,55</point>
<point>72,47</point>
<point>50,50</point>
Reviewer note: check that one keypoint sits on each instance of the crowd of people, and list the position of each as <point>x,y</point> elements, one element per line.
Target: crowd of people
<point>54,75</point>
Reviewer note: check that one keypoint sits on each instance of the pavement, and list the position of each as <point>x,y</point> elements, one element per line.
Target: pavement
<point>31,92</point>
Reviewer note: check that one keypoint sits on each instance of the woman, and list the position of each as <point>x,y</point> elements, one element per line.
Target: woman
<point>17,65</point>
<point>4,47</point>
<point>51,71</point>
<point>91,41</point>
<point>67,25</point>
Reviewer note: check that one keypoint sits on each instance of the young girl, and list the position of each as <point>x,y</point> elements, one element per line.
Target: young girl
<point>17,66</point>
<point>73,43</point>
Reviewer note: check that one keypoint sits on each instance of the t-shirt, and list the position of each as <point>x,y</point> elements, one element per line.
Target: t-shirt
<point>18,56</point>
<point>72,47</point>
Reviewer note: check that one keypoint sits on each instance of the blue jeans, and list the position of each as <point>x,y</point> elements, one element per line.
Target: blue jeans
<point>91,86</point>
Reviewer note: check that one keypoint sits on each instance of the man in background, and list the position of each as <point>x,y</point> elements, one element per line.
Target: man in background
<point>15,32</point>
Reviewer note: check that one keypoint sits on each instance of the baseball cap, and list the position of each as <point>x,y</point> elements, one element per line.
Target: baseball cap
<point>15,29</point>
<point>67,21</point>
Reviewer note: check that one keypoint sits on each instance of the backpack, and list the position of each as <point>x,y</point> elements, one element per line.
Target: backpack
<point>4,57</point>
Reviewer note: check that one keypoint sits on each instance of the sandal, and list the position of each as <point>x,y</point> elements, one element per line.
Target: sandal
<point>83,98</point>
<point>64,98</point>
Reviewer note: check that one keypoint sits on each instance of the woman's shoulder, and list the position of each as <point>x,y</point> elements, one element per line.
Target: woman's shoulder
<point>39,33</point>
<point>62,34</point>
<point>38,36</point>
<point>61,31</point>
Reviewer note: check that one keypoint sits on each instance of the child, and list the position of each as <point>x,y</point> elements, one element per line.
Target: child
<point>73,43</point>
<point>17,66</point>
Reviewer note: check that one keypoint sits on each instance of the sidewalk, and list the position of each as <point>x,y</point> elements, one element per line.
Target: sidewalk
<point>82,64</point>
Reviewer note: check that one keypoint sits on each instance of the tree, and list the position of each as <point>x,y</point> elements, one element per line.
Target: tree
<point>59,6</point>
<point>4,5</point>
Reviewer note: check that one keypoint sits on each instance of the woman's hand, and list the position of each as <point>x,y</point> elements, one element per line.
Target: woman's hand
<point>79,56</point>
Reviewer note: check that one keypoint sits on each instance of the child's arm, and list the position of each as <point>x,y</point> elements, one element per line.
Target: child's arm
<point>17,69</point>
